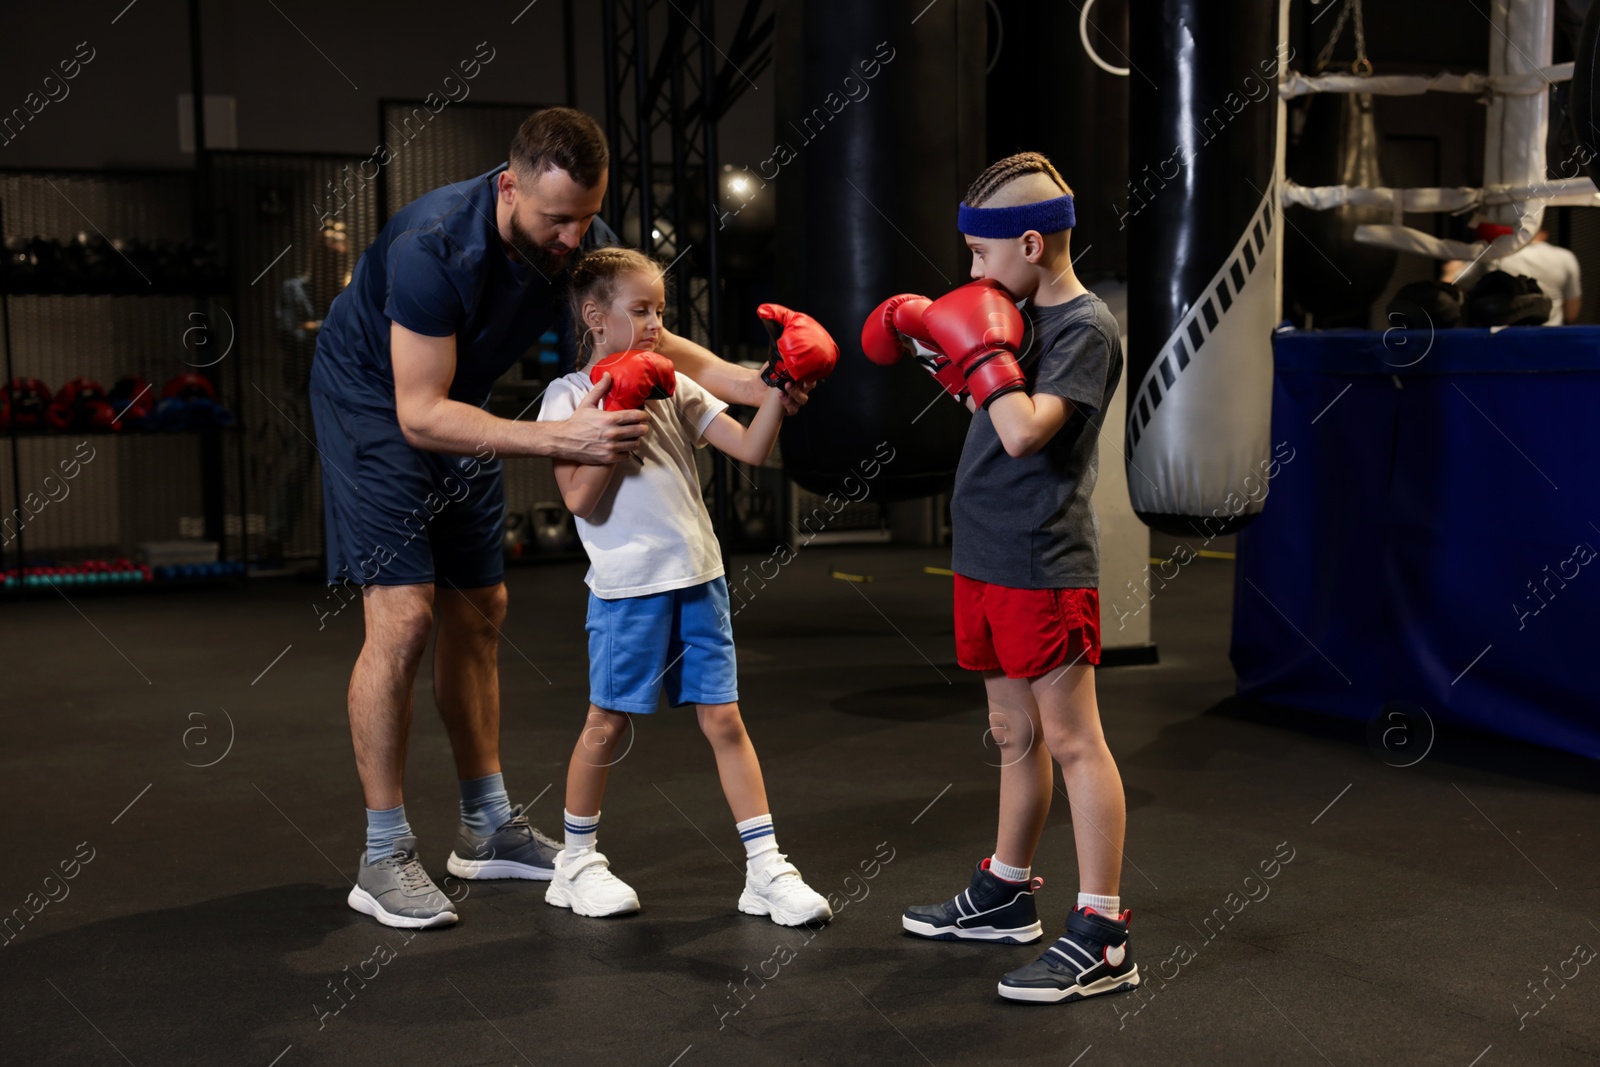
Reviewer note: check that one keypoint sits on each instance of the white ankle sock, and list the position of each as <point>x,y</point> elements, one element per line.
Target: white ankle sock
<point>1008,872</point>
<point>757,835</point>
<point>581,830</point>
<point>1110,907</point>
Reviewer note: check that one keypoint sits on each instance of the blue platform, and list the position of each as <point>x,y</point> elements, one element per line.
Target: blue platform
<point>1435,538</point>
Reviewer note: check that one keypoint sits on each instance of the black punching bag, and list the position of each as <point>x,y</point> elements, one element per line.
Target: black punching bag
<point>879,131</point>
<point>1202,259</point>
<point>1584,96</point>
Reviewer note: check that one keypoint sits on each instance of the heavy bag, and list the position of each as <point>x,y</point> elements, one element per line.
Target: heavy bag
<point>1583,97</point>
<point>879,133</point>
<point>1202,259</point>
<point>1325,270</point>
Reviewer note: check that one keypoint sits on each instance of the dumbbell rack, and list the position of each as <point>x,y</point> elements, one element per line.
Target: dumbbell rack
<point>136,485</point>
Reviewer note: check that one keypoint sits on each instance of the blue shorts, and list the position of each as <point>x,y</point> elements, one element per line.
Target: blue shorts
<point>396,515</point>
<point>681,639</point>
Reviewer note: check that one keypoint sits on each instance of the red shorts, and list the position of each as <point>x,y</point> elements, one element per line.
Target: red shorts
<point>1025,632</point>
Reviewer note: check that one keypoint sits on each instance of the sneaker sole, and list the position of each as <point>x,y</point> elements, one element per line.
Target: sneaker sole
<point>560,898</point>
<point>751,904</point>
<point>497,869</point>
<point>367,904</point>
<point>1022,935</point>
<point>1035,995</point>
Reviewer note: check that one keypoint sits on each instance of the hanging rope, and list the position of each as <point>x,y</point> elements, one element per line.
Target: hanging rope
<point>1362,65</point>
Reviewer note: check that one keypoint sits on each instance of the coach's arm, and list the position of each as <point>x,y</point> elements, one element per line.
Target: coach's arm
<point>423,370</point>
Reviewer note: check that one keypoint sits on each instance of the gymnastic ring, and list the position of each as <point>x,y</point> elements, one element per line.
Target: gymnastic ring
<point>999,35</point>
<point>1083,35</point>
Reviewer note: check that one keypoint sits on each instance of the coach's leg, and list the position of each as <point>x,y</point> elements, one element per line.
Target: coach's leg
<point>466,675</point>
<point>398,621</point>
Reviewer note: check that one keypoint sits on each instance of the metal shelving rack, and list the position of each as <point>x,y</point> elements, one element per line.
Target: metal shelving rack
<point>120,319</point>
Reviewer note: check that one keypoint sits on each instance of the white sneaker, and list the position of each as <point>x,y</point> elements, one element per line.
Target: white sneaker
<point>773,887</point>
<point>583,882</point>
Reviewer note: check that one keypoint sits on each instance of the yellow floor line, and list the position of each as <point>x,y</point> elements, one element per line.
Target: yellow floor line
<point>1205,552</point>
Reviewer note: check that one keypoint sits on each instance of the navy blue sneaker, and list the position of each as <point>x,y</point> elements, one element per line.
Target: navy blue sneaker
<point>991,909</point>
<point>1091,958</point>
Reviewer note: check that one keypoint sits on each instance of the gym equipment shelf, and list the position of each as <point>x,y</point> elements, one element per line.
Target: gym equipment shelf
<point>79,246</point>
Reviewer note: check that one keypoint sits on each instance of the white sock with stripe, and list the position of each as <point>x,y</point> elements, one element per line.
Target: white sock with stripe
<point>581,830</point>
<point>757,835</point>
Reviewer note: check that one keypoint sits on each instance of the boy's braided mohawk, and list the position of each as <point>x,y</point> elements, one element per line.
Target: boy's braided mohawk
<point>1009,169</point>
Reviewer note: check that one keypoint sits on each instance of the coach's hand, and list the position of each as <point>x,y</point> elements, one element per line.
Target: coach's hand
<point>590,435</point>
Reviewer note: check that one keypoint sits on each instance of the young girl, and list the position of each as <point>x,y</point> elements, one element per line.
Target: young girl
<point>658,602</point>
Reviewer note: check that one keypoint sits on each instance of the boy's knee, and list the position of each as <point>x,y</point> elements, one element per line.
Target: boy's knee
<point>1010,732</point>
<point>1072,746</point>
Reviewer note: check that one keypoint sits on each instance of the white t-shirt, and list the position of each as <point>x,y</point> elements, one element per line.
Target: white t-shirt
<point>650,532</point>
<point>1553,267</point>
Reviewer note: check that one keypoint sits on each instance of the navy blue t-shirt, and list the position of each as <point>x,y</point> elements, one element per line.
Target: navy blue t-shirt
<point>438,268</point>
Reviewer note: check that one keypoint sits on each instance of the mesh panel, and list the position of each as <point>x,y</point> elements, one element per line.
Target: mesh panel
<point>429,150</point>
<point>285,212</point>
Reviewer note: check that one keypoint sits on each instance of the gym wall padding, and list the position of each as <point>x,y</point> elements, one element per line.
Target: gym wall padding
<point>1202,254</point>
<point>1432,539</point>
<point>867,189</point>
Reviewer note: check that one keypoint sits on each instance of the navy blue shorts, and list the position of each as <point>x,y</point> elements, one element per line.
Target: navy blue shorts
<point>396,515</point>
<point>680,640</point>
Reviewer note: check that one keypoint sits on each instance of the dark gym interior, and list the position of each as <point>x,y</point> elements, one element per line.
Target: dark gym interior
<point>1297,692</point>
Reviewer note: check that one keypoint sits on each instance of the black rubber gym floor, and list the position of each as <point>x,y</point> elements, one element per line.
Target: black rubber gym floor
<point>1443,913</point>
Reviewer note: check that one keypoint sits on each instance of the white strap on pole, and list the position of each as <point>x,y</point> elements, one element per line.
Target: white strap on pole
<point>1406,239</point>
<point>1567,192</point>
<point>1525,84</point>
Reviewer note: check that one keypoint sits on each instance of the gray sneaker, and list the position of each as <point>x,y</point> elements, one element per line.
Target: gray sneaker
<point>516,850</point>
<point>398,892</point>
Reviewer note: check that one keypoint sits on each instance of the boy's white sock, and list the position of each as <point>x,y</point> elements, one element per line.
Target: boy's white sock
<point>1008,872</point>
<point>1110,907</point>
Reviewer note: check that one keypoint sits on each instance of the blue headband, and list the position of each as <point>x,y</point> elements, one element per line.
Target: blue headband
<point>1047,216</point>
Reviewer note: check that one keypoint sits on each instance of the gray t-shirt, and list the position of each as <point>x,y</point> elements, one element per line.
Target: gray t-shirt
<point>1028,523</point>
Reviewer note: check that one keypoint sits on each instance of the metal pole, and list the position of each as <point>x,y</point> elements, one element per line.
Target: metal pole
<point>641,87</point>
<point>608,14</point>
<point>17,511</point>
<point>212,489</point>
<point>680,176</point>
<point>721,509</point>
<point>569,43</point>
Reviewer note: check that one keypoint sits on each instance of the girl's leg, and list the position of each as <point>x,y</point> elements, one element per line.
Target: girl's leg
<point>737,765</point>
<point>1071,721</point>
<point>1026,774</point>
<point>599,746</point>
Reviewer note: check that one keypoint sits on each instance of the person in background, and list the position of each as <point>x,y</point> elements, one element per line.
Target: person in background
<point>1553,267</point>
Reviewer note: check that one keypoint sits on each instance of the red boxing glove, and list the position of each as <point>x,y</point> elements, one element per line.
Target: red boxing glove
<point>802,351</point>
<point>637,375</point>
<point>896,329</point>
<point>982,330</point>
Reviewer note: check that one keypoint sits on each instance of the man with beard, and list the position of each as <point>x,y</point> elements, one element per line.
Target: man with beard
<point>454,290</point>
